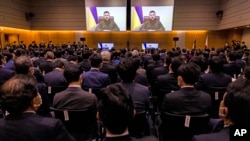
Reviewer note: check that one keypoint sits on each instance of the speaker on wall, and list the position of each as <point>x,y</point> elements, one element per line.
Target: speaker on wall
<point>82,39</point>
<point>176,38</point>
<point>29,15</point>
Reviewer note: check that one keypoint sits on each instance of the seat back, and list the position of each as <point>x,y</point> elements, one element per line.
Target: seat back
<point>94,91</point>
<point>216,94</point>
<point>160,96</point>
<point>81,124</point>
<point>182,127</point>
<point>139,127</point>
<point>52,90</point>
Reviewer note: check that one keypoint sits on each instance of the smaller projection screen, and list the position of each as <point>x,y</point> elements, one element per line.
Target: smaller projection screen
<point>105,46</point>
<point>149,15</point>
<point>106,15</point>
<point>149,46</point>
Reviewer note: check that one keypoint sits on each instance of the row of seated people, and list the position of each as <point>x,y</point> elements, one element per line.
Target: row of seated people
<point>42,45</point>
<point>188,74</point>
<point>125,78</point>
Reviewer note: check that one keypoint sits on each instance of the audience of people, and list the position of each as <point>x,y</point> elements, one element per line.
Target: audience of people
<point>127,82</point>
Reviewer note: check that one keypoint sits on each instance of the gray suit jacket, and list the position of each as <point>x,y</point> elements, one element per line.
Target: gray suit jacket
<point>74,98</point>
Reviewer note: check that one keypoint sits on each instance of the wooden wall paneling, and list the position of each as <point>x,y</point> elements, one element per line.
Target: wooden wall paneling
<point>12,13</point>
<point>195,15</point>
<point>58,14</point>
<point>235,13</point>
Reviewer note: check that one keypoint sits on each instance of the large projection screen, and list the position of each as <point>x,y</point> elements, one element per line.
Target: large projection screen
<point>149,15</point>
<point>97,11</point>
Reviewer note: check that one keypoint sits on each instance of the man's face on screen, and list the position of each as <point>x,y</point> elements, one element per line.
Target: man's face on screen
<point>106,16</point>
<point>152,15</point>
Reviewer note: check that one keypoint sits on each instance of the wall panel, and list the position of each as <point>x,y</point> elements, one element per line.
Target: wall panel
<point>58,14</point>
<point>235,13</point>
<point>12,13</point>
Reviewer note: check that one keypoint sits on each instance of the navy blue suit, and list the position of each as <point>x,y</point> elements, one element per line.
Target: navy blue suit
<point>140,95</point>
<point>232,69</point>
<point>32,127</point>
<point>209,80</point>
<point>5,74</point>
<point>95,79</point>
<point>55,78</point>
<point>187,100</point>
<point>164,84</point>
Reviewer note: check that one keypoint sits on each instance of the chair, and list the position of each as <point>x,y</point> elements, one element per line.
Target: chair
<point>52,90</point>
<point>81,124</point>
<point>182,127</point>
<point>160,96</point>
<point>216,94</point>
<point>94,91</point>
<point>139,127</point>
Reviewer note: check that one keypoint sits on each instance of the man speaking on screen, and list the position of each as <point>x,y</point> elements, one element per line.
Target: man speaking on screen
<point>107,24</point>
<point>152,24</point>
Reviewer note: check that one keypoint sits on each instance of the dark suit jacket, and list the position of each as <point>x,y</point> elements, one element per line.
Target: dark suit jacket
<point>5,74</point>
<point>46,66</point>
<point>55,78</point>
<point>141,79</point>
<point>150,68</point>
<point>140,95</point>
<point>74,98</point>
<point>95,79</point>
<point>231,69</point>
<point>187,100</point>
<point>37,62</point>
<point>85,65</point>
<point>128,138</point>
<point>32,127</point>
<point>207,81</point>
<point>43,110</point>
<point>110,70</point>
<point>223,135</point>
<point>167,82</point>
<point>159,71</point>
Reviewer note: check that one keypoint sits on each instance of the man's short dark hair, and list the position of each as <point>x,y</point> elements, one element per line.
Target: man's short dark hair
<point>18,93</point>
<point>216,64</point>
<point>72,72</point>
<point>106,12</point>
<point>95,60</point>
<point>176,63</point>
<point>22,64</point>
<point>190,72</point>
<point>127,69</point>
<point>116,108</point>
<point>58,63</point>
<point>152,11</point>
<point>237,100</point>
